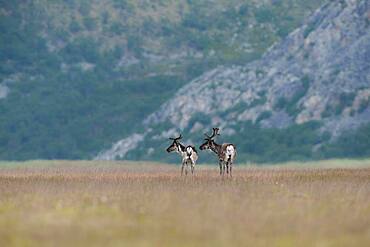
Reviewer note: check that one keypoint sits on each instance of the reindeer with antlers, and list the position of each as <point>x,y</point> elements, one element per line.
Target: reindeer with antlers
<point>189,154</point>
<point>226,152</point>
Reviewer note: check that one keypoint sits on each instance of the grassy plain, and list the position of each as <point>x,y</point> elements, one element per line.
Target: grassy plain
<point>92,203</point>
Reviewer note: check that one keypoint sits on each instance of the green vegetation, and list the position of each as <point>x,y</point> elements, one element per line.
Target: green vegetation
<point>263,115</point>
<point>303,142</point>
<point>276,145</point>
<point>344,100</point>
<point>82,74</point>
<point>350,144</point>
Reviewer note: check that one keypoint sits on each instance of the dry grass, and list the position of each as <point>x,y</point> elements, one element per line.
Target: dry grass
<point>62,203</point>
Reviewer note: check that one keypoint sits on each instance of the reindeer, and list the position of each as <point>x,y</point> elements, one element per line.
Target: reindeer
<point>189,154</point>
<point>226,152</point>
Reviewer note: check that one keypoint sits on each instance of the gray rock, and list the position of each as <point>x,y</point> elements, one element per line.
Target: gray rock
<point>121,148</point>
<point>4,91</point>
<point>300,79</point>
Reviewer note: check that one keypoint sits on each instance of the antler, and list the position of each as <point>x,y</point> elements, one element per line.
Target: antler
<point>214,133</point>
<point>176,138</point>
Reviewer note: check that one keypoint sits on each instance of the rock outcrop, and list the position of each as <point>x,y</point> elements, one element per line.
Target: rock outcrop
<point>320,72</point>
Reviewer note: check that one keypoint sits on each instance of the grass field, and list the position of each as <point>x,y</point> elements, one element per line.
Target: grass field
<point>81,203</point>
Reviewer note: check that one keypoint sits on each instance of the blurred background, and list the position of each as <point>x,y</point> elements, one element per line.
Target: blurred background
<point>113,79</point>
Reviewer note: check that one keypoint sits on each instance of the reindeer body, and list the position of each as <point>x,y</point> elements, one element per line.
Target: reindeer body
<point>190,159</point>
<point>189,155</point>
<point>228,152</point>
<point>225,152</point>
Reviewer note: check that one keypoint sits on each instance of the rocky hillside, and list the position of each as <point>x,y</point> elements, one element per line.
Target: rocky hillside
<point>315,81</point>
<point>77,75</point>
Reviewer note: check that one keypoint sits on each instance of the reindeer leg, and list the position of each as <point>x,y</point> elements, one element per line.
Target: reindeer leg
<point>192,168</point>
<point>223,168</point>
<point>220,163</point>
<point>182,168</point>
<point>186,167</point>
<point>231,168</point>
<point>227,167</point>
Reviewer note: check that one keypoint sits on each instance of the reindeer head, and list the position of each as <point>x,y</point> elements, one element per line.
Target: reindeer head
<point>209,142</point>
<point>175,144</point>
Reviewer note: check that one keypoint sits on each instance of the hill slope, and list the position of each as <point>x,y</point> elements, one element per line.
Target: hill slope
<point>293,103</point>
<point>77,75</point>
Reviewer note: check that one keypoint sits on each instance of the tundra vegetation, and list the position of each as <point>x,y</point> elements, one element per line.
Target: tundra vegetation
<point>81,203</point>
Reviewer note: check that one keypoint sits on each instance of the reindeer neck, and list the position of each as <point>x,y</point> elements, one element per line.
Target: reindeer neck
<point>216,148</point>
<point>180,148</point>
